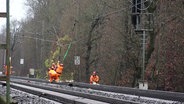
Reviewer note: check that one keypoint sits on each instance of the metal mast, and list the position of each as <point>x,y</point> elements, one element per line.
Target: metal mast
<point>142,19</point>
<point>8,52</point>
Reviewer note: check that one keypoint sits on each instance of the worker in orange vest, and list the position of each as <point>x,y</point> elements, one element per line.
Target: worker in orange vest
<point>59,69</point>
<point>6,67</point>
<point>55,72</point>
<point>53,75</point>
<point>94,78</point>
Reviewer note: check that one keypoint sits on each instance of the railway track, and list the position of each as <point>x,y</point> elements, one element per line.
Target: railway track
<point>83,93</point>
<point>53,95</point>
<point>61,95</point>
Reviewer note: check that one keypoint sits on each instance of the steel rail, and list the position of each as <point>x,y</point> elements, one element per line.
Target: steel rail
<point>166,95</point>
<point>48,96</point>
<point>75,93</point>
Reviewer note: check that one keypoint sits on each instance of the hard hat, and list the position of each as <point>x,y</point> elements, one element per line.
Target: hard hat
<point>94,72</point>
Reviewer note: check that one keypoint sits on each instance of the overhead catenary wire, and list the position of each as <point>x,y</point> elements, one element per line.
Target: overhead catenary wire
<point>114,12</point>
<point>145,8</point>
<point>101,16</point>
<point>52,41</point>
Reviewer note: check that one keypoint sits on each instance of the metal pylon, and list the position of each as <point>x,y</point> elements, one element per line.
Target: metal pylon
<point>142,22</point>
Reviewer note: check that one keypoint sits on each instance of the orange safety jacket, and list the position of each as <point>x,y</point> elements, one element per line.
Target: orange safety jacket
<point>53,76</point>
<point>94,78</point>
<point>6,71</point>
<point>59,69</point>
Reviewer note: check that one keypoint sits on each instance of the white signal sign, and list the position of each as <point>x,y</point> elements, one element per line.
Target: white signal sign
<point>77,60</point>
<point>21,61</point>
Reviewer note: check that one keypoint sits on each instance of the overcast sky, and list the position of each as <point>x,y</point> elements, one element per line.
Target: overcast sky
<point>17,10</point>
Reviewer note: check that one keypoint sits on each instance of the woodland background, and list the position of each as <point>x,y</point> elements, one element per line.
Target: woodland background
<point>102,34</point>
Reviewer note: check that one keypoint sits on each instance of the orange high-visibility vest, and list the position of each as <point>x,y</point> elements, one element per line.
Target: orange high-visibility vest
<point>59,69</point>
<point>94,78</point>
<point>6,71</point>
